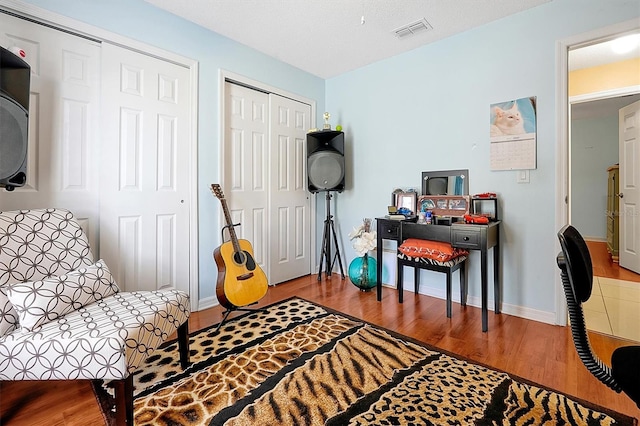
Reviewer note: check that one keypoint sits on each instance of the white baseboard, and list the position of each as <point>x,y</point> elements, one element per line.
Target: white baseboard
<point>475,301</point>
<point>530,314</point>
<point>207,302</point>
<point>515,310</point>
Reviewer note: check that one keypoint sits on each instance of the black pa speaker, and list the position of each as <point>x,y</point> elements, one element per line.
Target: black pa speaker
<point>325,161</point>
<point>15,77</point>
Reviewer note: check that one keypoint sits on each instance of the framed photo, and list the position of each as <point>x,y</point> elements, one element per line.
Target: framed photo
<point>444,205</point>
<point>407,200</point>
<point>458,204</point>
<point>426,203</point>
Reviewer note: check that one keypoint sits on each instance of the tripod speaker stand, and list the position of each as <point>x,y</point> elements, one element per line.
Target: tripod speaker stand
<point>329,232</point>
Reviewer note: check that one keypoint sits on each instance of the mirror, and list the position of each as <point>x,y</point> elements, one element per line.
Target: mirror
<point>446,182</point>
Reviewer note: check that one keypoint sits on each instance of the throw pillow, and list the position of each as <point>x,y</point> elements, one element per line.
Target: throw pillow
<point>38,302</point>
<point>435,250</point>
<point>8,315</point>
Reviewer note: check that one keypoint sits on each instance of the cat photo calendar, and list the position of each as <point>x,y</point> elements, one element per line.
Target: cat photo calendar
<point>513,134</point>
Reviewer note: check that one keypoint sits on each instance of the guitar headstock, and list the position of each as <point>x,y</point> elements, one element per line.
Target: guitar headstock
<point>217,191</point>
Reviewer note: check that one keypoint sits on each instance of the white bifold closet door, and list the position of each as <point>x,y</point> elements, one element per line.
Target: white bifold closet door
<point>144,185</point>
<point>64,115</point>
<point>265,178</point>
<point>110,140</point>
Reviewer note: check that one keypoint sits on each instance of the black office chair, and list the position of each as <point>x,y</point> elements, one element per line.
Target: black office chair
<point>577,279</point>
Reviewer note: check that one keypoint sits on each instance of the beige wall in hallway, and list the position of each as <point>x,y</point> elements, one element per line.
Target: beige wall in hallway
<point>605,77</point>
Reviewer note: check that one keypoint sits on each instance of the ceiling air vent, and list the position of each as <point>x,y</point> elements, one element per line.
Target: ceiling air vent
<point>412,28</point>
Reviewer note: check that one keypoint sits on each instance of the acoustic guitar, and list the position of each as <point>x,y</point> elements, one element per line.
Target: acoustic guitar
<point>241,281</point>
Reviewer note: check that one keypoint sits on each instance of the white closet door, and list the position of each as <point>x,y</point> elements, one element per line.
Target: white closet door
<point>289,202</point>
<point>144,162</point>
<point>63,122</point>
<point>245,166</point>
<point>264,178</point>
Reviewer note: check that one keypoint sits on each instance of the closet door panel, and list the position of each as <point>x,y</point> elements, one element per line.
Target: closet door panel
<point>245,166</point>
<point>290,229</point>
<point>63,122</point>
<point>144,179</point>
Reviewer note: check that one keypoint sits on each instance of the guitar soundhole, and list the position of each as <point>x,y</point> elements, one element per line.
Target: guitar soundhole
<point>244,258</point>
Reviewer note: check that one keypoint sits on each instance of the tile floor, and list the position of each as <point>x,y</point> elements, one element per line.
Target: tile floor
<point>614,308</point>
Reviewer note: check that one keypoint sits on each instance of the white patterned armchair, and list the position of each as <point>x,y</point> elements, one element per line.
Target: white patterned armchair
<point>62,316</point>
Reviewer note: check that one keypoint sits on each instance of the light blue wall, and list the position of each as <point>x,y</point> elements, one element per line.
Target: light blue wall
<point>428,109</point>
<point>594,148</point>
<point>141,21</point>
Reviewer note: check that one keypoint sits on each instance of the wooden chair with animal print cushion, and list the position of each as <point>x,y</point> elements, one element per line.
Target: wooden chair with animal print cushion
<point>419,253</point>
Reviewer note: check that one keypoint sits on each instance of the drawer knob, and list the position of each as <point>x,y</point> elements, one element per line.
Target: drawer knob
<point>465,238</point>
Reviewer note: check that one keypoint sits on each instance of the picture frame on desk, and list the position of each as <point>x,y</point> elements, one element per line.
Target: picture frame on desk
<point>487,207</point>
<point>445,205</point>
<point>407,200</point>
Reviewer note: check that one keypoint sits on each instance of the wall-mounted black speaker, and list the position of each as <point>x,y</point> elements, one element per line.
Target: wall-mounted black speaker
<point>325,161</point>
<point>15,75</point>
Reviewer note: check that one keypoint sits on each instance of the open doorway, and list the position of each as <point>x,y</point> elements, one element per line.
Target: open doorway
<point>593,153</point>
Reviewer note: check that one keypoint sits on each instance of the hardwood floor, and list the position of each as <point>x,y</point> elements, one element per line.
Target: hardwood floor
<point>603,266</point>
<point>532,350</point>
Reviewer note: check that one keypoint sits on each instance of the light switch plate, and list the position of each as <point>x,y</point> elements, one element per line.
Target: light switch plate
<point>522,176</point>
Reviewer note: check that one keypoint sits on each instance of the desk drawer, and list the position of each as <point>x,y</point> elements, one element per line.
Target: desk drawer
<point>468,238</point>
<point>390,230</point>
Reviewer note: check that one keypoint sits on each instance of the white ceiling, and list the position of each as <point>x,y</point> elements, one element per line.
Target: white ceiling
<point>327,37</point>
<point>600,53</point>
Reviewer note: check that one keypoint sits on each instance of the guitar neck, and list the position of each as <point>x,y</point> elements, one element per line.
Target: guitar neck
<point>227,217</point>
<point>232,229</point>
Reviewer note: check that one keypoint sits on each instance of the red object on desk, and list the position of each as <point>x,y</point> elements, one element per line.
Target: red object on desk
<point>476,219</point>
<point>485,195</point>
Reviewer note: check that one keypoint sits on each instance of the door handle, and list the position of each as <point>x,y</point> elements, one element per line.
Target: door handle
<point>621,195</point>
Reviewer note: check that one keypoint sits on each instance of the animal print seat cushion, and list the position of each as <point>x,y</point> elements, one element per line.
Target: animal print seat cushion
<point>38,302</point>
<point>37,244</point>
<point>107,339</point>
<point>426,261</point>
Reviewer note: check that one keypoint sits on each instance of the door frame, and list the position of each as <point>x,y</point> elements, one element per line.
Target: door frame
<point>82,29</point>
<point>223,77</point>
<point>563,157</point>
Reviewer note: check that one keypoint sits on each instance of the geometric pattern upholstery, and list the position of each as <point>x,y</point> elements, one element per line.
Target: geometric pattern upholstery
<point>37,244</point>
<point>38,302</point>
<point>105,339</point>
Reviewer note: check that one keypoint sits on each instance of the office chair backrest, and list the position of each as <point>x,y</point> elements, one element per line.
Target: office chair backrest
<point>577,279</point>
<point>578,260</point>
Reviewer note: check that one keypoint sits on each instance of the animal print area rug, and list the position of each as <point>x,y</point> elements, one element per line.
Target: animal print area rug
<point>300,363</point>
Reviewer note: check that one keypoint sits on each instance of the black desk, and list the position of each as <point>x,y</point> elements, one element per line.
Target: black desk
<point>461,235</point>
